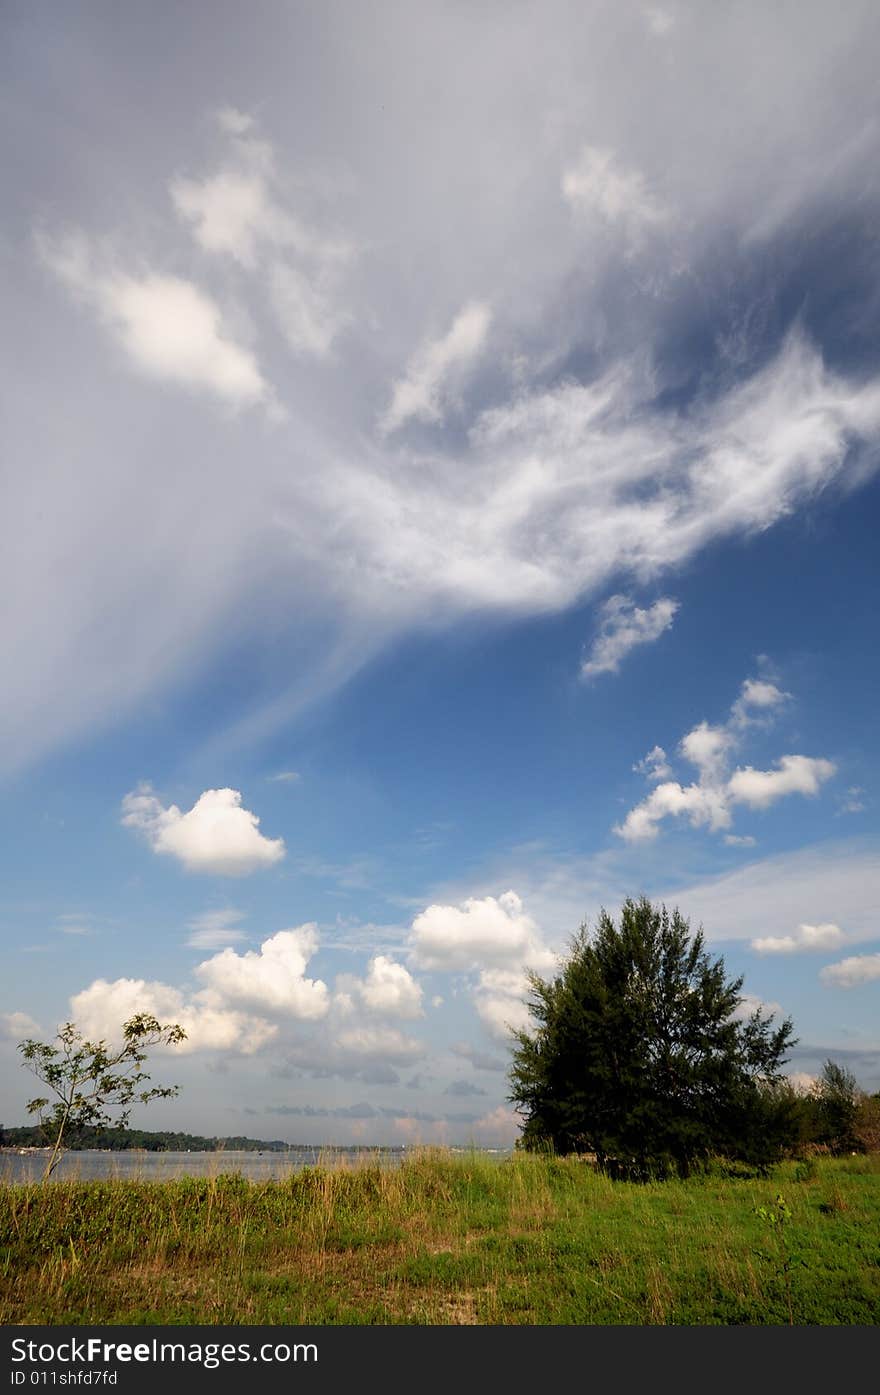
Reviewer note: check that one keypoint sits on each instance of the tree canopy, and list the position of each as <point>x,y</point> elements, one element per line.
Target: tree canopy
<point>640,1055</point>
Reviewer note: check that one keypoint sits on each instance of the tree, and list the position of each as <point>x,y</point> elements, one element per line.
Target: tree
<point>836,1098</point>
<point>639,1054</point>
<point>92,1081</point>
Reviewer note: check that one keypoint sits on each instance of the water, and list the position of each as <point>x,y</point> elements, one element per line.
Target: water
<point>96,1165</point>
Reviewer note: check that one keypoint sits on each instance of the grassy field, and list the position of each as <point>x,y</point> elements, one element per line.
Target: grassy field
<point>448,1239</point>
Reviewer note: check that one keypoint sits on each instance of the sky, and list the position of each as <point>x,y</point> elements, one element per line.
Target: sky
<point>440,490</point>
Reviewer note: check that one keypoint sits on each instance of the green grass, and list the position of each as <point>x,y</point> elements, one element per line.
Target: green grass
<point>447,1239</point>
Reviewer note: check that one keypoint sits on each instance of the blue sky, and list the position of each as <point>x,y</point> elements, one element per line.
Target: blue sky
<point>441,489</point>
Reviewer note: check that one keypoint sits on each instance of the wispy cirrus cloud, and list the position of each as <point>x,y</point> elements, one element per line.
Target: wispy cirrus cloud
<point>215,929</point>
<point>422,393</point>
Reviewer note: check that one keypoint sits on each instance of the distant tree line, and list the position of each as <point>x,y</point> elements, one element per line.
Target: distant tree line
<point>122,1139</point>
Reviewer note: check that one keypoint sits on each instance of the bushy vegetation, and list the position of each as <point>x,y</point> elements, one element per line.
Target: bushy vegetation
<point>449,1239</point>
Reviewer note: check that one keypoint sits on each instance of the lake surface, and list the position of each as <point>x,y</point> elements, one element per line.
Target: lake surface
<point>94,1165</point>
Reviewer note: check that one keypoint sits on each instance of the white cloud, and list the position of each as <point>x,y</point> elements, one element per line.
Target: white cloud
<point>216,835</point>
<point>654,766</point>
<point>168,327</point>
<point>101,1009</point>
<point>230,213</point>
<point>757,694</point>
<point>623,626</point>
<point>739,840</point>
<point>15,1026</point>
<point>795,775</point>
<point>500,999</point>
<point>852,972</point>
<point>702,805</point>
<point>750,1003</point>
<point>549,498</point>
<point>805,938</point>
<point>488,931</point>
<point>284,777</point>
<point>599,184</point>
<point>272,979</point>
<point>246,1001</point>
<point>710,800</point>
<point>388,989</point>
<point>215,929</point>
<point>235,122</point>
<point>707,748</point>
<point>422,393</point>
<point>240,212</point>
<point>493,938</point>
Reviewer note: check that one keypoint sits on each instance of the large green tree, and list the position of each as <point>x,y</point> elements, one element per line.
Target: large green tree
<point>639,1053</point>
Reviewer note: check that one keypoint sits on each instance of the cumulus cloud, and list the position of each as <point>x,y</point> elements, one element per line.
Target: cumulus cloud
<point>168,327</point>
<point>215,836</point>
<point>272,978</point>
<point>852,972</point>
<point>15,1026</point>
<point>495,940</point>
<point>624,626</point>
<point>488,930</point>
<point>210,1025</point>
<point>654,766</point>
<point>388,989</point>
<point>709,801</point>
<point>245,1002</point>
<point>501,1001</point>
<point>756,695</point>
<point>806,937</point>
<point>795,775</point>
<point>422,393</point>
